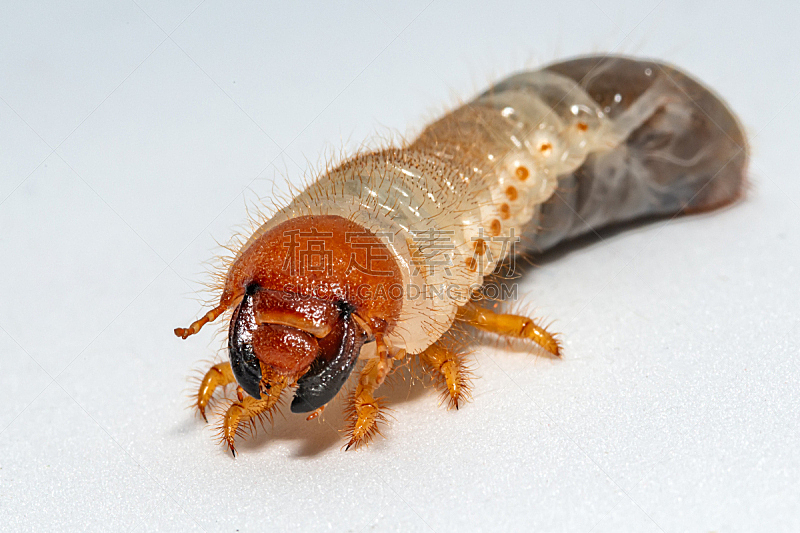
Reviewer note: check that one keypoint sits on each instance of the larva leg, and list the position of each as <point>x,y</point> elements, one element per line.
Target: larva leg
<point>451,374</point>
<point>218,375</point>
<point>243,414</point>
<point>364,411</point>
<point>515,326</point>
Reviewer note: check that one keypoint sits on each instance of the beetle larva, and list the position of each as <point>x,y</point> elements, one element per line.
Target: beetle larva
<point>388,251</point>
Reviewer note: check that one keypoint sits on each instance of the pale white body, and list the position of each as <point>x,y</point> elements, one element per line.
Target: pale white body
<point>461,178</point>
<point>402,194</point>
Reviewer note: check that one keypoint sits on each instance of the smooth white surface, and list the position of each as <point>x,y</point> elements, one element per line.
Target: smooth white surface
<point>130,134</point>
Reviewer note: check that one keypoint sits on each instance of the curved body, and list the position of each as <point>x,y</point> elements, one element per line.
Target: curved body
<point>542,156</point>
<point>405,236</point>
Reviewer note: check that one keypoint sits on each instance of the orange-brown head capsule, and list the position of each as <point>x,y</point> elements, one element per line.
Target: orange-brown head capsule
<point>308,293</point>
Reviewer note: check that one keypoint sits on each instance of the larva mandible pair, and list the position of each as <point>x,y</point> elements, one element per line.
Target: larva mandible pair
<point>384,256</point>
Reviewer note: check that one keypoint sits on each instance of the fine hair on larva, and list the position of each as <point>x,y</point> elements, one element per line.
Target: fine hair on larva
<point>540,157</point>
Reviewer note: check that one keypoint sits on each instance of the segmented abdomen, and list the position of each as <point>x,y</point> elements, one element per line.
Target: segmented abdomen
<point>624,139</point>
<point>544,156</point>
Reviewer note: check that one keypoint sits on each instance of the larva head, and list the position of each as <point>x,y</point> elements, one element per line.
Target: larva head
<point>308,293</point>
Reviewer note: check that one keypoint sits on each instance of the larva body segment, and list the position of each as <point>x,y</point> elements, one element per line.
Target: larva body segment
<point>540,157</point>
<point>683,150</point>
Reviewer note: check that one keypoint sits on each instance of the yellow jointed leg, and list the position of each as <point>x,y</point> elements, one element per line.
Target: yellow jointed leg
<point>364,410</point>
<point>515,326</point>
<point>450,372</point>
<point>217,376</point>
<point>243,414</point>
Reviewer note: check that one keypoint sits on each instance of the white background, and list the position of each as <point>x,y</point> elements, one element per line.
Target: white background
<point>133,133</point>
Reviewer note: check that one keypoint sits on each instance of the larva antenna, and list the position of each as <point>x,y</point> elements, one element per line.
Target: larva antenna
<point>197,325</point>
